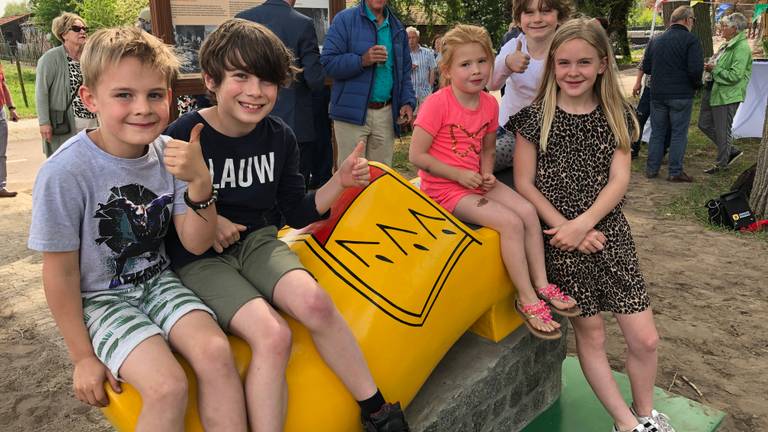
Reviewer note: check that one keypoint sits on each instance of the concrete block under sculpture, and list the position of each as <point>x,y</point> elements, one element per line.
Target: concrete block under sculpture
<point>409,279</point>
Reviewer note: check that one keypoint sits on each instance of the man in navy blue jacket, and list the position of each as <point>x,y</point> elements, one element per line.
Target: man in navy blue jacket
<point>366,53</point>
<point>676,61</point>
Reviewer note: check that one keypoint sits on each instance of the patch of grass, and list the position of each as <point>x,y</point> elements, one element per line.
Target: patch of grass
<point>400,159</point>
<point>700,154</point>
<point>637,54</point>
<point>14,85</point>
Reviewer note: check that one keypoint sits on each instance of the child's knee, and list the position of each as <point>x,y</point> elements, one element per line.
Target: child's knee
<point>646,344</point>
<point>528,212</point>
<point>214,354</point>
<point>317,307</point>
<point>593,338</point>
<point>513,224</point>
<point>170,390</point>
<point>273,341</point>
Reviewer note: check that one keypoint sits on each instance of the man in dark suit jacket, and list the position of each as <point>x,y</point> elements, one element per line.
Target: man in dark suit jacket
<point>294,104</point>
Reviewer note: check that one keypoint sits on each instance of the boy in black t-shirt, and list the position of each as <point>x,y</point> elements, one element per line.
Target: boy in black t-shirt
<point>248,274</point>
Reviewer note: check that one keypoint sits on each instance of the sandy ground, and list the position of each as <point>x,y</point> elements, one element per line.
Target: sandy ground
<point>708,291</point>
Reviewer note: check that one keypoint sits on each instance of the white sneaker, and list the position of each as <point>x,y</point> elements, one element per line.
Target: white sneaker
<point>638,428</point>
<point>655,422</point>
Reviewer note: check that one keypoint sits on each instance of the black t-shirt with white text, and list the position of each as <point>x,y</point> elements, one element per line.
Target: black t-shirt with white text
<point>257,177</point>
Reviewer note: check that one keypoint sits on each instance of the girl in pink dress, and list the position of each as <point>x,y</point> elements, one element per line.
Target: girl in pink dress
<point>453,145</point>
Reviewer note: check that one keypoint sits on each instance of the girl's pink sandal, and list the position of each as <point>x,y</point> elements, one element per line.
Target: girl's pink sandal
<point>552,291</point>
<point>540,311</point>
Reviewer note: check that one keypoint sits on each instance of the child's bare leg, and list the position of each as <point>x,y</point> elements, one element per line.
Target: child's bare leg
<point>534,239</point>
<point>642,340</point>
<point>160,380</point>
<point>301,297</point>
<point>220,392</point>
<point>590,343</point>
<point>487,212</point>
<point>269,337</point>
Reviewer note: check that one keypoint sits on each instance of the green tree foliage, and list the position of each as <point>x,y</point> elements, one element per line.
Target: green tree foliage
<point>642,16</point>
<point>96,13</point>
<point>16,8</point>
<point>109,13</point>
<point>494,15</point>
<point>617,12</point>
<point>46,10</point>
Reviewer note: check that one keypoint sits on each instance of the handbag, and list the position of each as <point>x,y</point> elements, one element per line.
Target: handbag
<point>730,210</point>
<point>59,120</point>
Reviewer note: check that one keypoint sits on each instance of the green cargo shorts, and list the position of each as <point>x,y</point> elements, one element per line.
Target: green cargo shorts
<point>245,271</point>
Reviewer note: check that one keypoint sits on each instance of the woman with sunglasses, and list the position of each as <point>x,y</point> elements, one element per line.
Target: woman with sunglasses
<point>60,111</point>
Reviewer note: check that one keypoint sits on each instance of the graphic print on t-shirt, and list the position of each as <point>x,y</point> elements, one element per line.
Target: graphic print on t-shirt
<point>132,223</point>
<point>474,139</point>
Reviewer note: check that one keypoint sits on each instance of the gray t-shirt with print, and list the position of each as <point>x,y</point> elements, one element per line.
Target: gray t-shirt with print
<point>115,211</point>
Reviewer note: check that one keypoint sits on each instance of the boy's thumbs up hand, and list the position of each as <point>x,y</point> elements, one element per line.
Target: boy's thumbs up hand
<point>517,61</point>
<point>354,170</point>
<point>185,159</point>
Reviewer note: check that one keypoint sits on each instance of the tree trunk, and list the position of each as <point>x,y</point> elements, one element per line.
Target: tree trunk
<point>759,198</point>
<point>617,18</point>
<point>669,7</point>
<point>703,27</point>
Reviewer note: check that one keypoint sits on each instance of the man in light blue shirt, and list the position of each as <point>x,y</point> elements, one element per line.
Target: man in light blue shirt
<point>424,66</point>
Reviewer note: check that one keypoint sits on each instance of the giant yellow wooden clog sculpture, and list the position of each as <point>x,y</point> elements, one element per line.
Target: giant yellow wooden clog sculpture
<point>409,279</point>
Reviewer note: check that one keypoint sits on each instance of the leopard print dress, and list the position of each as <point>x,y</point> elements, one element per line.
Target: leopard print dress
<point>570,174</point>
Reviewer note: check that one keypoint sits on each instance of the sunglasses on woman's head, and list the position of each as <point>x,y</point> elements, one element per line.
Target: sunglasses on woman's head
<point>78,29</point>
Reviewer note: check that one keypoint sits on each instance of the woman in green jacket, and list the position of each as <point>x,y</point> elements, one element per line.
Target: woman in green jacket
<point>725,86</point>
<point>58,79</point>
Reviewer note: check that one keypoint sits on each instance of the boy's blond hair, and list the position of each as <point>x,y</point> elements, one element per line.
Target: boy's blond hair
<point>108,46</point>
<point>462,34</point>
<point>239,44</point>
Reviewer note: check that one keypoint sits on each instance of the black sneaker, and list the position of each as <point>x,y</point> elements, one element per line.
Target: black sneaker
<point>714,169</point>
<point>389,418</point>
<point>734,156</point>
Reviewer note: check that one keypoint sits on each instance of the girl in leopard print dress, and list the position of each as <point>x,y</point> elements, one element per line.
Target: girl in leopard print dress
<point>572,162</point>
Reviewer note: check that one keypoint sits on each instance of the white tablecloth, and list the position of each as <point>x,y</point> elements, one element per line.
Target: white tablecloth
<point>749,119</point>
<point>750,116</point>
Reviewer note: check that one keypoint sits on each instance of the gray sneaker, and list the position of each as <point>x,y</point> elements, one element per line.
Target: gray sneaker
<point>658,421</point>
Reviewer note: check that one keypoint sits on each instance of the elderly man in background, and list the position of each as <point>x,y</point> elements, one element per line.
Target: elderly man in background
<point>423,64</point>
<point>725,87</point>
<point>366,53</point>
<point>676,61</point>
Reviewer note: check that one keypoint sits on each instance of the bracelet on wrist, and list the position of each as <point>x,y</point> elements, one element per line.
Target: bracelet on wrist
<point>196,206</point>
<point>11,107</point>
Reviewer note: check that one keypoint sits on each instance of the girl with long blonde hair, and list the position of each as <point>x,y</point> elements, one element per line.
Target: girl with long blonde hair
<point>572,162</point>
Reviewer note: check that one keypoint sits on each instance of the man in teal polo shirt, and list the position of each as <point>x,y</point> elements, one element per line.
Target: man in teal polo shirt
<point>366,53</point>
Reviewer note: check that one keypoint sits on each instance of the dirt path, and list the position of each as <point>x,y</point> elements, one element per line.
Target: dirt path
<point>708,292</point>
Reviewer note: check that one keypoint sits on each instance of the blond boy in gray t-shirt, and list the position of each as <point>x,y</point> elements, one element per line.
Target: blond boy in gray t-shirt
<point>102,206</point>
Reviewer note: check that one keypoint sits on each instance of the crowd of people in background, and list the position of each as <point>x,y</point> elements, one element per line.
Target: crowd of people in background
<point>562,124</point>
